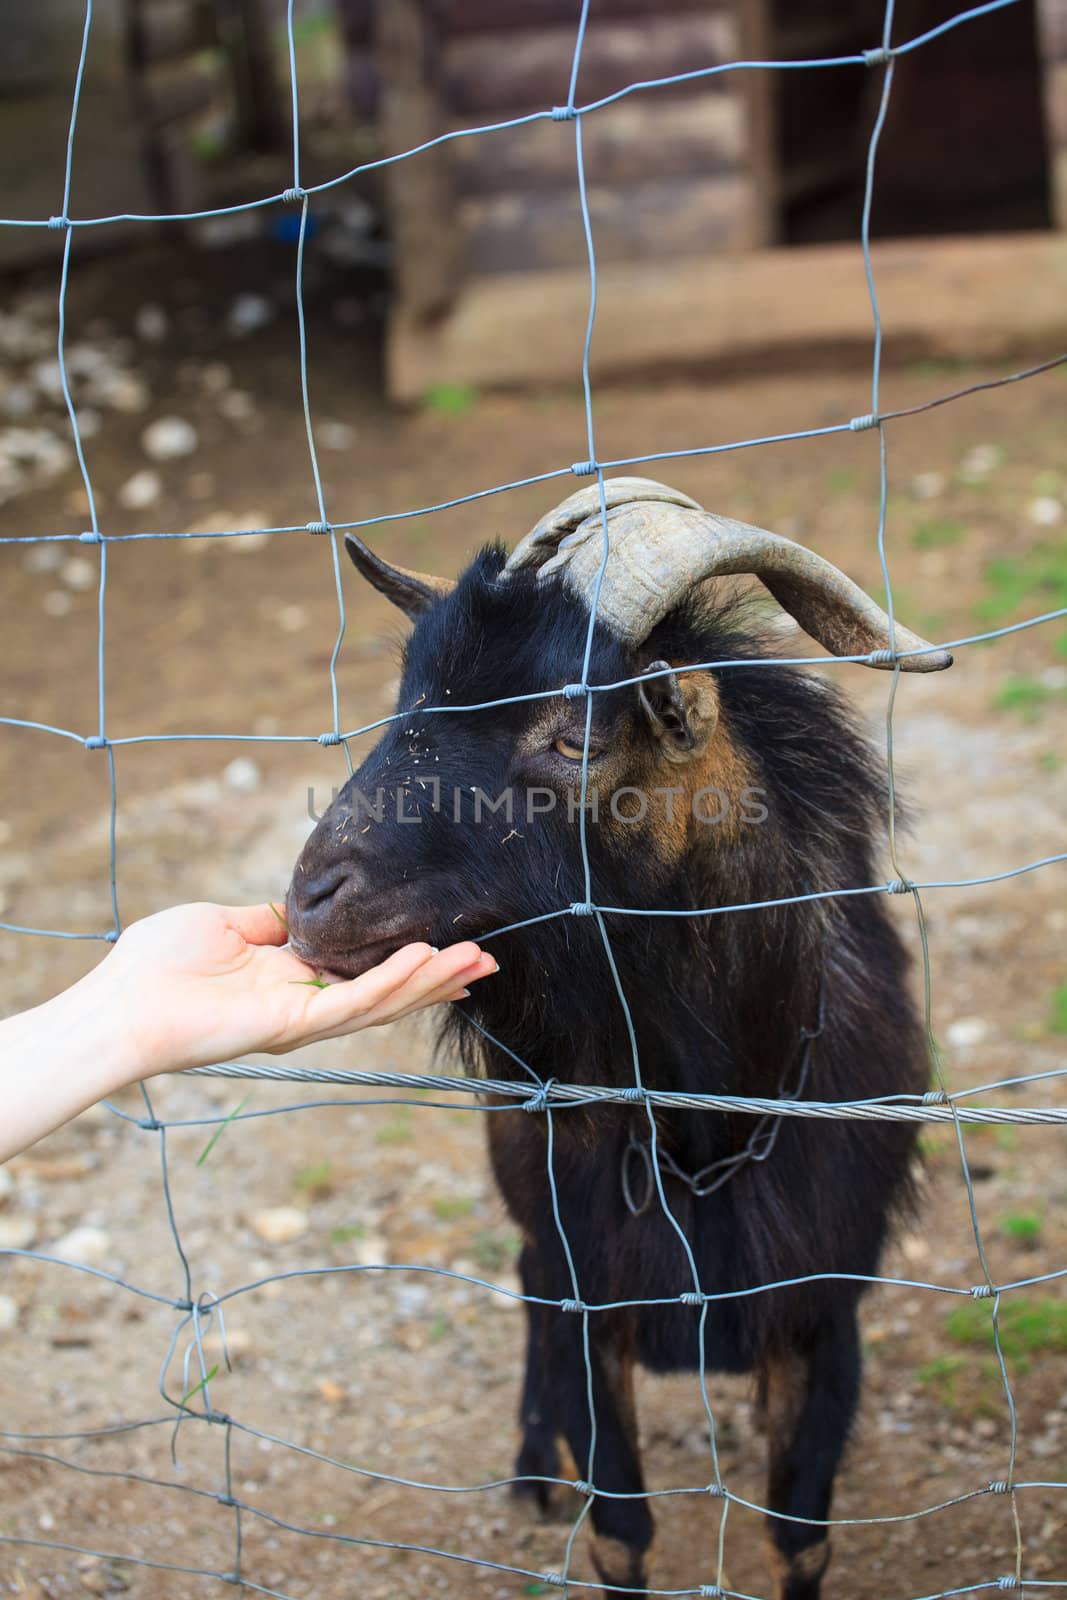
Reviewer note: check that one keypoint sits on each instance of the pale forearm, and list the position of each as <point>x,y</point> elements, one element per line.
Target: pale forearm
<point>57,1060</point>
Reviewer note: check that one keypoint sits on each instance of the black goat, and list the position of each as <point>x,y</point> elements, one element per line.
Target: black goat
<point>711,789</point>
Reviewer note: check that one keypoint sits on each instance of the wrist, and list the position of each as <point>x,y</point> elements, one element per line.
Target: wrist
<point>95,1024</point>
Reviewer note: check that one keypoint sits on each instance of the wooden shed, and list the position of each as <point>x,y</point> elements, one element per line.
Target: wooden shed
<point>724,209</point>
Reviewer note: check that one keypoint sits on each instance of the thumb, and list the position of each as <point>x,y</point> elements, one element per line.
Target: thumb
<point>263,924</point>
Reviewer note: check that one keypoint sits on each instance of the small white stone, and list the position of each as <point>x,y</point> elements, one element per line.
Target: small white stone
<point>511,1301</point>
<point>370,1251</point>
<point>980,461</point>
<point>292,618</point>
<point>247,313</point>
<point>248,543</point>
<point>90,1247</point>
<point>242,775</point>
<point>280,1224</point>
<point>966,1032</point>
<point>218,233</point>
<point>335,435</point>
<point>48,378</point>
<point>9,1313</point>
<point>78,573</point>
<point>17,1232</point>
<point>1045,511</point>
<point>1054,678</point>
<point>46,1521</point>
<point>89,422</point>
<point>57,603</point>
<point>216,377</point>
<point>143,489</point>
<point>152,324</point>
<point>236,1345</point>
<point>169,437</point>
<point>236,405</point>
<point>18,400</point>
<point>121,391</point>
<point>928,485</point>
<point>43,557</point>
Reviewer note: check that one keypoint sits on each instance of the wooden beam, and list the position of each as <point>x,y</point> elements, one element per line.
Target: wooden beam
<point>977,297</point>
<point>662,219</point>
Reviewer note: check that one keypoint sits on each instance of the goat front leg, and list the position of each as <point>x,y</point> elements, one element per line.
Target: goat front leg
<point>538,1456</point>
<point>810,1400</point>
<point>622,1529</point>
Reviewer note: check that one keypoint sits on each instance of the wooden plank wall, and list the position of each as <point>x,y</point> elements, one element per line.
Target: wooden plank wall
<point>665,170</point>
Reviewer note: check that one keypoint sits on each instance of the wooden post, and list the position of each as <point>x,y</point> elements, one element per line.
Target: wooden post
<point>426,235</point>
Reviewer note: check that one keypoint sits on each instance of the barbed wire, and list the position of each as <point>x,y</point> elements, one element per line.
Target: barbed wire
<point>196,1313</point>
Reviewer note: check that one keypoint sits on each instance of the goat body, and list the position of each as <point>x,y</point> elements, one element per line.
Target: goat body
<point>744,785</point>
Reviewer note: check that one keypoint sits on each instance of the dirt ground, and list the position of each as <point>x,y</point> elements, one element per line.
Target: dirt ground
<point>399,1373</point>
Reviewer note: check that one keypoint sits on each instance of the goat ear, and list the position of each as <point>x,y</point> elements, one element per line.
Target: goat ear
<point>413,592</point>
<point>682,712</point>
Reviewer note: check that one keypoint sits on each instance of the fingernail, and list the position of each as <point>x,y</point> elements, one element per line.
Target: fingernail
<point>434,950</point>
<point>464,994</point>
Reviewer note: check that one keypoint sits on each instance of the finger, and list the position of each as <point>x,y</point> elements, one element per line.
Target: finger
<point>415,996</point>
<point>340,1008</point>
<point>263,924</point>
<point>444,978</point>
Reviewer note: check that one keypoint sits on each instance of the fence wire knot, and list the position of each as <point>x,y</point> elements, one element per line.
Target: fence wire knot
<point>329,738</point>
<point>583,1487</point>
<point>564,113</point>
<point>998,1486</point>
<point>935,1097</point>
<point>96,741</point>
<point>577,1306</point>
<point>575,691</point>
<point>691,1297</point>
<point>712,1589</point>
<point>899,885</point>
<point>877,58</point>
<point>91,536</point>
<point>861,424</point>
<point>878,658</point>
<point>295,193</point>
<point>580,908</point>
<point>318,527</point>
<point>555,1580</point>
<point>539,1101</point>
<point>150,1124</point>
<point>716,1491</point>
<point>1009,1582</point>
<point>583,469</point>
<point>634,1095</point>
<point>981,1291</point>
<point>59,222</point>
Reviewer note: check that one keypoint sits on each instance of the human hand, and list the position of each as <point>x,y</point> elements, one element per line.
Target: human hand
<point>203,983</point>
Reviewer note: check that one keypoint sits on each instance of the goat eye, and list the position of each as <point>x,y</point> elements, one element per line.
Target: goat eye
<point>574,752</point>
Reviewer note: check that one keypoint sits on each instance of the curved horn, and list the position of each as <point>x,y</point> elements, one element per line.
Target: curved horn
<point>413,592</point>
<point>662,543</point>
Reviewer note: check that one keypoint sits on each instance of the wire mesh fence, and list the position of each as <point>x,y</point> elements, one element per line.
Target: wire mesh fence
<point>196,1310</point>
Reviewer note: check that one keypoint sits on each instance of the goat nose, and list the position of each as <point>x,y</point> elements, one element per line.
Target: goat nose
<point>313,892</point>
